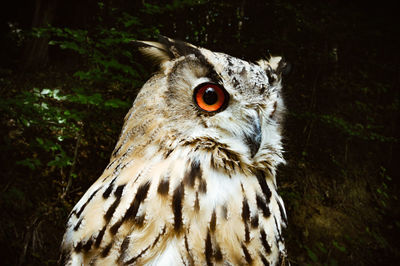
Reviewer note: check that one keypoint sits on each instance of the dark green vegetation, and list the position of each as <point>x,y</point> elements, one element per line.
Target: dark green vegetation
<point>68,75</point>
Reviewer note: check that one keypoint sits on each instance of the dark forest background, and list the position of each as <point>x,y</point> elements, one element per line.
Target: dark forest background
<point>68,75</point>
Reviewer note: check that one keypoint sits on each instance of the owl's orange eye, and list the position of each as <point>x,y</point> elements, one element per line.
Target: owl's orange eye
<point>210,97</point>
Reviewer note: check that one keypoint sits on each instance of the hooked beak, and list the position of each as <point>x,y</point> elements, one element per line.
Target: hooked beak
<point>253,138</point>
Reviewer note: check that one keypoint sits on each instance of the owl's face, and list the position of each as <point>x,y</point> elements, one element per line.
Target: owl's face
<point>200,93</point>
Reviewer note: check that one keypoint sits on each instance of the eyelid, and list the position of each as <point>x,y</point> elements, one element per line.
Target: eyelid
<point>200,81</point>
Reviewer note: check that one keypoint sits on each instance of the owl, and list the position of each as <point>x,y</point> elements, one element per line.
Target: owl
<point>191,180</point>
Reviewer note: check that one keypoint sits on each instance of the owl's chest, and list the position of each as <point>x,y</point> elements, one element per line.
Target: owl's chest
<point>177,212</point>
<point>218,220</point>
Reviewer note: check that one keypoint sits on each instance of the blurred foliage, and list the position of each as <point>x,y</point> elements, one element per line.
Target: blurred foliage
<point>61,116</point>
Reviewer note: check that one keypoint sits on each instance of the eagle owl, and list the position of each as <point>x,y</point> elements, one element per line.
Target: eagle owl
<point>191,180</point>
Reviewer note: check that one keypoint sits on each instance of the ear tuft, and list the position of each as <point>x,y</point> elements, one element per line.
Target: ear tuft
<point>165,49</point>
<point>275,64</point>
<point>154,50</point>
<point>284,67</point>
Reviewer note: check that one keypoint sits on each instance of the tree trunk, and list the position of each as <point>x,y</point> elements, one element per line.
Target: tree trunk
<point>36,50</point>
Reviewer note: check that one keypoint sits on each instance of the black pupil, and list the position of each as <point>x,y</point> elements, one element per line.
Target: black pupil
<point>210,96</point>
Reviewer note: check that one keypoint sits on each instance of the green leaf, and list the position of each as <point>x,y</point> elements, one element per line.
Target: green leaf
<point>32,163</point>
<point>45,91</point>
<point>44,106</point>
<point>95,99</point>
<point>61,160</point>
<point>322,248</point>
<point>40,141</point>
<point>25,122</point>
<point>116,103</point>
<point>312,255</point>
<point>338,246</point>
<point>333,262</point>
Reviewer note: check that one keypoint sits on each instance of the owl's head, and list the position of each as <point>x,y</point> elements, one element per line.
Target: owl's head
<point>204,96</point>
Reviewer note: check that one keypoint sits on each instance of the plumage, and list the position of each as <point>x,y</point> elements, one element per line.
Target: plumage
<point>188,186</point>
